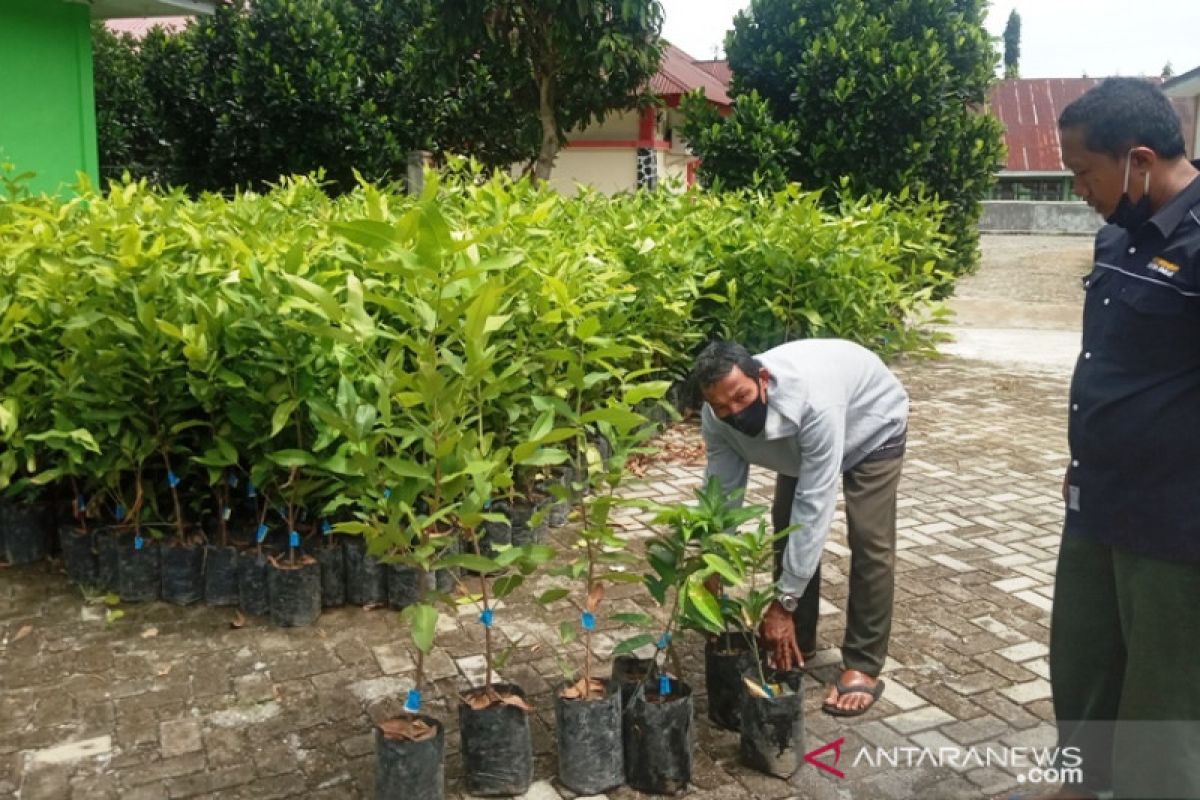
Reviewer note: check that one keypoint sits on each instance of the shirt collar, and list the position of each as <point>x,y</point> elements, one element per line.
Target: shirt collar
<point>778,425</point>
<point>1174,211</point>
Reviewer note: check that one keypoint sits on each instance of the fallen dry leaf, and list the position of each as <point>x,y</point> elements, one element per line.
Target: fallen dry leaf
<point>162,673</point>
<point>577,690</point>
<point>479,699</point>
<point>149,633</point>
<point>594,597</point>
<point>238,620</point>
<point>407,728</point>
<point>757,691</point>
<point>23,632</point>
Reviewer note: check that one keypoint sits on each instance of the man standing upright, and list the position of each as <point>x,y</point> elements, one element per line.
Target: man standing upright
<point>1125,624</point>
<point>816,411</point>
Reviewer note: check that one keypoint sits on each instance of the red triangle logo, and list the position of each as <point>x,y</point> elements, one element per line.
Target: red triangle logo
<point>836,747</point>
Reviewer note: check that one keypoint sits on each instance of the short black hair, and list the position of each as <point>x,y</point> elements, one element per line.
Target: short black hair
<point>718,359</point>
<point>1122,113</point>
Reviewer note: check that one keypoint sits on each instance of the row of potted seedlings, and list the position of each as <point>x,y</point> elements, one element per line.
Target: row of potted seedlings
<point>634,725</point>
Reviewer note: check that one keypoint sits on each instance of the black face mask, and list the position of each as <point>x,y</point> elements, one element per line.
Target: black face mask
<point>750,420</point>
<point>1130,215</point>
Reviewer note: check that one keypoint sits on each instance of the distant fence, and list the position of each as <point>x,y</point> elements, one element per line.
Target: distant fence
<point>1038,216</point>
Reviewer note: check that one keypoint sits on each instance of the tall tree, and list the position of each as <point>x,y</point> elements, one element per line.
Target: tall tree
<point>563,63</point>
<point>1168,71</point>
<point>1012,45</point>
<point>886,95</point>
<point>127,128</point>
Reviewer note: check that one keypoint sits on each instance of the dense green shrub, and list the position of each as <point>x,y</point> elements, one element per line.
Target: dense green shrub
<point>886,94</point>
<point>267,88</point>
<point>377,353</point>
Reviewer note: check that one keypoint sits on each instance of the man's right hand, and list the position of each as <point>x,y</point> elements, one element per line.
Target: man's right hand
<point>779,633</point>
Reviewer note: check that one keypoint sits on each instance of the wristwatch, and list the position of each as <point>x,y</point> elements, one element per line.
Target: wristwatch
<point>789,602</point>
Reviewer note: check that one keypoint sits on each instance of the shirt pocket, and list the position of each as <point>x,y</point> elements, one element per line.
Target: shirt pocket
<point>1152,300</point>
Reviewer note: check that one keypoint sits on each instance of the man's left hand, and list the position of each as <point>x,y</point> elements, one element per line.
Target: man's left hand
<point>779,632</point>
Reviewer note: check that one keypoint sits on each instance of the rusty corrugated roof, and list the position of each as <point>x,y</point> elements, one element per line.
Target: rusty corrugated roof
<point>678,74</point>
<point>718,68</point>
<point>1029,108</point>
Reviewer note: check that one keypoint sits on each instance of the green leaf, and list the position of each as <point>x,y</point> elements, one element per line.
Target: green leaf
<point>283,412</point>
<point>641,620</point>
<point>469,561</point>
<point>293,458</point>
<point>506,585</point>
<point>620,418</point>
<point>422,622</point>
<point>551,595</point>
<point>645,391</point>
<point>724,568</point>
<point>703,601</point>
<point>567,632</point>
<point>634,643</point>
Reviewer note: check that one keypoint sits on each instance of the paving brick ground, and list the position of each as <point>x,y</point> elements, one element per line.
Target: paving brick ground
<point>174,703</point>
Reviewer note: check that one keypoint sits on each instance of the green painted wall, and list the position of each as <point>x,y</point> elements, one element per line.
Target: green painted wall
<point>47,106</point>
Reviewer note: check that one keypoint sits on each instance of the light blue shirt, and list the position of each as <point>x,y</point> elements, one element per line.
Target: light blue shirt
<point>829,403</point>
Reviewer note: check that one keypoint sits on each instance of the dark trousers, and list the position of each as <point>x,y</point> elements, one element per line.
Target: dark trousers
<point>1124,640</point>
<point>870,492</point>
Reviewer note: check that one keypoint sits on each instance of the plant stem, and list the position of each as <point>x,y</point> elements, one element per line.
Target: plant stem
<point>80,513</point>
<point>291,516</point>
<point>174,497</point>
<point>487,629</point>
<point>587,635</point>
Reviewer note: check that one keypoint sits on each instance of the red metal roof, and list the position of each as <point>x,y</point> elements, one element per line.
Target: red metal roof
<point>1029,109</point>
<point>678,74</point>
<point>718,68</point>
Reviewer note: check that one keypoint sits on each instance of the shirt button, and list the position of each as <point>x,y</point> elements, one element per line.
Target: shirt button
<point>1087,284</point>
<point>1107,301</point>
<point>1132,250</point>
<point>1074,406</point>
<point>1075,463</point>
<point>1087,355</point>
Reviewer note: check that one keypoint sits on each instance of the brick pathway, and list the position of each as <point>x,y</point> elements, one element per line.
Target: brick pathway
<point>171,702</point>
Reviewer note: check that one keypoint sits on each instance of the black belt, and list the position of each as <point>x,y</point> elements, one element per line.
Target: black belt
<point>892,448</point>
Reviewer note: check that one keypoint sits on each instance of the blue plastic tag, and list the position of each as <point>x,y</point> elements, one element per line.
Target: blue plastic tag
<point>664,641</point>
<point>588,621</point>
<point>119,512</point>
<point>767,690</point>
<point>172,479</point>
<point>250,490</point>
<point>326,528</point>
<point>294,539</point>
<point>487,504</point>
<point>664,686</point>
<point>82,501</point>
<point>387,494</point>
<point>486,618</point>
<point>138,543</point>
<point>232,480</point>
<point>262,533</point>
<point>412,704</point>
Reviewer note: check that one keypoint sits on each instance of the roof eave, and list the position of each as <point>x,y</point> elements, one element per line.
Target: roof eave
<point>123,9</point>
<point>1185,85</point>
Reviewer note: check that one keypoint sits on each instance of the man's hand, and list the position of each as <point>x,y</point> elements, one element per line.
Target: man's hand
<point>779,633</point>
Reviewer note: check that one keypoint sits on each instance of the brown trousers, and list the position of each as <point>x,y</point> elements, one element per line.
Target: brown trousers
<point>870,492</point>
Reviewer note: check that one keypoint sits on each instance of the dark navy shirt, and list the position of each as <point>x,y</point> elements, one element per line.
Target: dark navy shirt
<point>1134,427</point>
